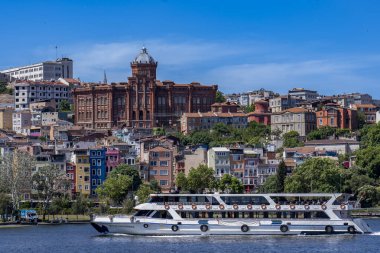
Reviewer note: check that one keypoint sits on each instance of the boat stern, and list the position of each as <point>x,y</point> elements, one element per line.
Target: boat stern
<point>362,226</point>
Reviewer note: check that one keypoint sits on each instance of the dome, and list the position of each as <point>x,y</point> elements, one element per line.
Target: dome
<point>144,57</point>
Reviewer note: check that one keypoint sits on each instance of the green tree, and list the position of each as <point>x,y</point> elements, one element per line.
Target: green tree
<point>125,169</point>
<point>291,139</point>
<point>270,185</point>
<point>181,181</point>
<point>220,97</point>
<point>200,178</point>
<point>154,186</point>
<point>281,176</point>
<point>369,196</point>
<point>321,133</point>
<point>361,119</point>
<point>64,106</point>
<point>143,193</point>
<point>116,188</point>
<point>356,177</point>
<point>230,184</point>
<point>315,175</point>
<point>60,204</point>
<point>5,205</point>
<point>159,131</point>
<point>369,158</point>
<point>370,135</point>
<point>80,205</point>
<point>49,182</point>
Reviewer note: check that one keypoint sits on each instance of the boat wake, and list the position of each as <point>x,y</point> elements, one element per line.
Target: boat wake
<point>375,233</point>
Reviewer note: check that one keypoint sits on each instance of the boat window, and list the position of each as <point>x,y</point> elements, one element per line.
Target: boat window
<point>156,199</point>
<point>300,200</point>
<point>143,213</point>
<point>253,215</point>
<point>245,200</point>
<point>162,215</point>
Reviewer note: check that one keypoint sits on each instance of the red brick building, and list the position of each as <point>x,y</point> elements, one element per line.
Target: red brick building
<point>161,167</point>
<point>335,116</point>
<point>261,113</point>
<point>142,102</point>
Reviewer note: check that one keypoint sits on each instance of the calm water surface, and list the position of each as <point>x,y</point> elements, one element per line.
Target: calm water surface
<point>83,238</point>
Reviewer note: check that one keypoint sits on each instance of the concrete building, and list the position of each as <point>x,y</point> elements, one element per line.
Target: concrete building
<point>369,111</point>
<point>27,92</point>
<point>281,103</point>
<point>48,70</point>
<point>21,122</point>
<point>70,173</point>
<point>340,146</point>
<point>6,118</point>
<point>303,94</point>
<point>142,102</point>
<point>219,160</point>
<point>194,158</point>
<point>335,116</point>
<point>377,116</point>
<point>296,119</point>
<point>161,167</point>
<point>203,121</point>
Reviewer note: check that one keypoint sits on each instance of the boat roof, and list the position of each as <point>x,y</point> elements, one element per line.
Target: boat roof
<point>256,195</point>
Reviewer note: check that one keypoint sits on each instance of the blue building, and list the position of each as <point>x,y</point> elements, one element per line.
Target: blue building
<point>97,168</point>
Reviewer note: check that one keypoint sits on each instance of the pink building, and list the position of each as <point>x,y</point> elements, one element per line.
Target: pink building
<point>112,159</point>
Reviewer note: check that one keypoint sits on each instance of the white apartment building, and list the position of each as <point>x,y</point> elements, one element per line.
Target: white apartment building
<point>219,160</point>
<point>29,91</point>
<point>48,70</point>
<point>377,116</point>
<point>21,122</point>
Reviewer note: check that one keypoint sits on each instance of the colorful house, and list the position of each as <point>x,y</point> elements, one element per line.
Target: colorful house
<point>70,173</point>
<point>82,172</point>
<point>97,168</point>
<point>112,159</point>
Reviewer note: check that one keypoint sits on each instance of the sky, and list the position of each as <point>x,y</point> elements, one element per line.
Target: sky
<point>331,46</point>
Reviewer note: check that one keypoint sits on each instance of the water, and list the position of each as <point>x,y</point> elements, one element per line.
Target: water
<point>83,238</point>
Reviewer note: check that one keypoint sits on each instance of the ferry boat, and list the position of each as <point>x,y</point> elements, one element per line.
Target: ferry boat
<point>237,214</point>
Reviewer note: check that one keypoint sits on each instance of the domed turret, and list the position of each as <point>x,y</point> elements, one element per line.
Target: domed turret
<point>144,65</point>
<point>144,57</point>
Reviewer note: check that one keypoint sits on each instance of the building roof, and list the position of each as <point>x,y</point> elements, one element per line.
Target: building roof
<point>331,142</point>
<point>144,57</point>
<point>213,114</point>
<point>365,106</point>
<point>221,149</point>
<point>159,149</point>
<point>296,110</point>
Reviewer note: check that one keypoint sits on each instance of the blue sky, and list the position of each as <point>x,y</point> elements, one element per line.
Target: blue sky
<point>331,46</point>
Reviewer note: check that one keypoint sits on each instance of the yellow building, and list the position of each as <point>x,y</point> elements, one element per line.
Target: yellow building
<point>6,118</point>
<point>82,172</point>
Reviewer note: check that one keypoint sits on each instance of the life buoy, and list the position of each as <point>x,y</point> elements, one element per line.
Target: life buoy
<point>249,206</point>
<point>342,206</point>
<point>292,206</point>
<point>204,228</point>
<point>244,228</point>
<point>235,206</point>
<point>351,230</point>
<point>284,228</point>
<point>329,229</point>
<point>175,228</point>
<point>263,206</point>
<point>324,207</point>
<point>180,206</point>
<point>278,206</point>
<point>208,206</point>
<point>194,206</point>
<point>306,206</point>
<point>146,225</point>
<point>167,207</point>
<point>221,206</point>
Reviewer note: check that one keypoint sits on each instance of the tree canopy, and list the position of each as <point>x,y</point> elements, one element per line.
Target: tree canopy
<point>200,178</point>
<point>115,188</point>
<point>291,139</point>
<point>219,97</point>
<point>127,170</point>
<point>315,175</point>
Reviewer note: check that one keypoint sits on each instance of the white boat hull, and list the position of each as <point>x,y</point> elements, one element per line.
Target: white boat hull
<point>255,227</point>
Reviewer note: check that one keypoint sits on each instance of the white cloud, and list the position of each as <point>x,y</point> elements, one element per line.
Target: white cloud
<point>323,75</point>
